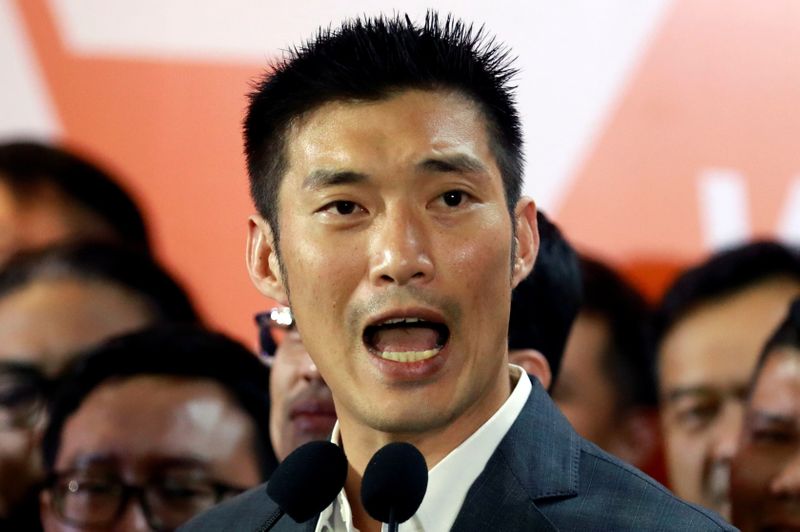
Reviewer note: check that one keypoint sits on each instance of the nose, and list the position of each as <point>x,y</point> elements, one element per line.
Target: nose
<point>132,518</point>
<point>400,250</point>
<point>308,370</point>
<point>787,481</point>
<point>726,437</point>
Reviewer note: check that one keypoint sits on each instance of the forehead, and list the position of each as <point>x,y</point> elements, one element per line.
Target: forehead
<point>153,417</point>
<point>395,131</point>
<point>777,389</point>
<point>718,342</point>
<point>47,320</point>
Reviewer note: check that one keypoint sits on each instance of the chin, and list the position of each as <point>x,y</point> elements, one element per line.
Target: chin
<point>409,417</point>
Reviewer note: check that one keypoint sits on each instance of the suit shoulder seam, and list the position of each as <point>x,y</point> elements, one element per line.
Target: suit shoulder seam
<point>653,484</point>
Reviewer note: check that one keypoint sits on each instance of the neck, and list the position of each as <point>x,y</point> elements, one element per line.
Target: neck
<point>361,443</point>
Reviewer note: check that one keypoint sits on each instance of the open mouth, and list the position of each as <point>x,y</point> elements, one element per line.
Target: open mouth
<point>408,339</point>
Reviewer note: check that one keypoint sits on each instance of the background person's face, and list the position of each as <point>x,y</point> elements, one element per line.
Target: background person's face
<point>765,473</point>
<point>43,324</point>
<point>140,427</point>
<point>396,209</point>
<point>301,406</point>
<point>705,364</point>
<point>47,322</point>
<point>582,391</point>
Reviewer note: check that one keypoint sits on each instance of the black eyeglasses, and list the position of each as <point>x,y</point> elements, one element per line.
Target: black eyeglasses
<point>88,500</point>
<point>275,318</point>
<point>23,395</point>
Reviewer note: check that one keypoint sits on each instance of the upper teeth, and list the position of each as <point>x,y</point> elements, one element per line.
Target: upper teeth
<point>402,320</point>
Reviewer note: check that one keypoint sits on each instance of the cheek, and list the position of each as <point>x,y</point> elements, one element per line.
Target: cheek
<point>481,263</point>
<point>684,448</point>
<point>328,266</point>
<point>281,378</point>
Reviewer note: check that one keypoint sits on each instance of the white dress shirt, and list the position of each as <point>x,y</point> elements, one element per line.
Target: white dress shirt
<point>450,480</point>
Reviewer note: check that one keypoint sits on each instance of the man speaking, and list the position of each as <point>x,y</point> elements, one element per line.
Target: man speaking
<point>385,162</point>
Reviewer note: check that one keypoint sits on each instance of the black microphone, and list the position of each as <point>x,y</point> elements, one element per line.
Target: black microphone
<point>394,484</point>
<point>306,482</point>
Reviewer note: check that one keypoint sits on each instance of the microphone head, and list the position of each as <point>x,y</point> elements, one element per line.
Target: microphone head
<point>394,482</point>
<point>308,480</point>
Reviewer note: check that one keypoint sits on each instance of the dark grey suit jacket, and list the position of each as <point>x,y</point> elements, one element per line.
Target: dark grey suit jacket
<point>543,476</point>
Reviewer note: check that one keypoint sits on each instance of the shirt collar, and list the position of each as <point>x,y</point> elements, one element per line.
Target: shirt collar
<point>450,480</point>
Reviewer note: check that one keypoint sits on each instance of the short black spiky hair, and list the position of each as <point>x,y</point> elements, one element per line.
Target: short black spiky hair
<point>369,59</point>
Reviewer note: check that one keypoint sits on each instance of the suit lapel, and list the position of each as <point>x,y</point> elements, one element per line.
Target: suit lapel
<point>498,502</point>
<point>537,459</point>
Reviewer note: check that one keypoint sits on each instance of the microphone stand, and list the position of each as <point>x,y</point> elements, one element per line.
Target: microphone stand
<point>392,524</point>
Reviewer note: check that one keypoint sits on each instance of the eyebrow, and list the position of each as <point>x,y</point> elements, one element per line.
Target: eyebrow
<point>459,163</point>
<point>701,390</point>
<point>94,459</point>
<point>319,179</point>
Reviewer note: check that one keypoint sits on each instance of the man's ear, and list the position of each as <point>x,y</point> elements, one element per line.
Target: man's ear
<point>534,363</point>
<point>262,260</point>
<point>526,239</point>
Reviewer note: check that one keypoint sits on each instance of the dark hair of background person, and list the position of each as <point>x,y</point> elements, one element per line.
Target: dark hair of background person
<point>369,60</point>
<point>26,165</point>
<point>184,351</point>
<point>725,273</point>
<point>628,359</point>
<point>119,265</point>
<point>786,335</point>
<point>545,304</point>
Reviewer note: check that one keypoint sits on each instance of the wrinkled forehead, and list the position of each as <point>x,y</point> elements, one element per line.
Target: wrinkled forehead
<point>387,137</point>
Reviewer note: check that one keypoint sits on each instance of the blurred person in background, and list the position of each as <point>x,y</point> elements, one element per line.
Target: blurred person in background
<point>53,303</point>
<point>607,385</point>
<point>765,471</point>
<point>153,427</point>
<point>301,405</point>
<point>49,194</point>
<point>711,325</point>
<point>544,306</point>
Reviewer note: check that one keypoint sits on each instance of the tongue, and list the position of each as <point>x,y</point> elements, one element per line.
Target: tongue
<point>404,339</point>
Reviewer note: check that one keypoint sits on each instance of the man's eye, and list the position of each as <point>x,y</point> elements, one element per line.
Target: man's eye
<point>698,416</point>
<point>184,492</point>
<point>772,436</point>
<point>341,207</point>
<point>453,198</point>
